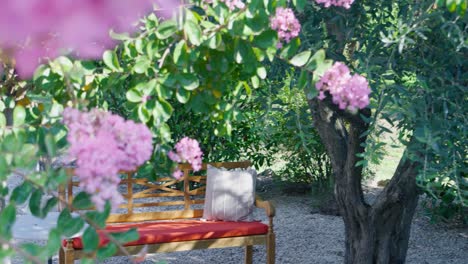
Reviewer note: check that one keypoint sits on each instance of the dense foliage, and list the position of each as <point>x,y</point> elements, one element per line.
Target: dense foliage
<point>220,72</point>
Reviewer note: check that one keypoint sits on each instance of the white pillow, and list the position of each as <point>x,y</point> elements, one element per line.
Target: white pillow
<point>230,194</point>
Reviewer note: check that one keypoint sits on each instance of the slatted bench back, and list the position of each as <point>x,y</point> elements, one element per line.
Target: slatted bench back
<point>164,199</point>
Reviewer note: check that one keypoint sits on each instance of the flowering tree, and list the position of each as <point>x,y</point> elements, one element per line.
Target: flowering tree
<point>212,54</point>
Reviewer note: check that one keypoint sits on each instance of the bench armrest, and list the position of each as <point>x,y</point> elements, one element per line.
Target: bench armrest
<point>266,205</point>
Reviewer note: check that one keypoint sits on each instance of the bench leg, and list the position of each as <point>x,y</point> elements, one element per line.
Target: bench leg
<point>61,256</point>
<point>271,248</point>
<point>248,254</point>
<point>69,256</point>
<point>66,255</point>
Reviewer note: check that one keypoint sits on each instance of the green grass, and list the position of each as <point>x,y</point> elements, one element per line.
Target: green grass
<point>393,152</point>
<point>387,167</point>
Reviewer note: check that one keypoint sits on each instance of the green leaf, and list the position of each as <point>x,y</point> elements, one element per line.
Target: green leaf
<point>299,4</point>
<point>462,6</point>
<point>451,5</point>
<point>141,65</point>
<point>216,42</point>
<point>183,96</point>
<point>119,36</point>
<point>65,63</point>
<point>107,251</point>
<point>51,146</point>
<point>266,39</point>
<point>111,60</point>
<point>134,96</point>
<point>82,201</point>
<point>127,236</point>
<point>180,55</point>
<point>41,71</point>
<point>21,193</point>
<point>4,170</point>
<point>35,203</point>
<point>139,45</point>
<point>240,51</point>
<point>322,68</point>
<point>35,250</point>
<point>261,72</point>
<point>99,218</point>
<point>68,225</point>
<point>166,29</point>
<point>11,144</point>
<point>26,157</point>
<point>248,90</point>
<point>302,81</point>
<point>7,219</point>
<point>51,203</point>
<point>54,242</point>
<point>19,115</point>
<point>317,59</point>
<point>87,261</point>
<point>163,91</point>
<point>301,59</point>
<point>255,81</point>
<point>143,114</point>
<point>188,81</point>
<point>163,110</point>
<point>420,133</point>
<point>90,239</point>
<point>244,54</point>
<point>291,48</point>
<point>193,32</point>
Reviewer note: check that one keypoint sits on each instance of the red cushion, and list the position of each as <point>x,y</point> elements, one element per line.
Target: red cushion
<point>173,231</point>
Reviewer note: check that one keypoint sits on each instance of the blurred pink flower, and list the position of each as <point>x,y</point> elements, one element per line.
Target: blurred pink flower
<point>233,4</point>
<point>187,150</point>
<point>177,174</point>
<point>343,3</point>
<point>33,29</point>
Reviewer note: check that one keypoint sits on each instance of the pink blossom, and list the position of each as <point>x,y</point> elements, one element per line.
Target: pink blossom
<point>348,91</point>
<point>231,4</point>
<point>177,174</point>
<point>343,3</point>
<point>187,150</point>
<point>286,24</point>
<point>104,144</point>
<point>34,29</point>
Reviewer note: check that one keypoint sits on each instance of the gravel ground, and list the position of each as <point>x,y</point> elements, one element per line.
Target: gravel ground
<point>304,237</point>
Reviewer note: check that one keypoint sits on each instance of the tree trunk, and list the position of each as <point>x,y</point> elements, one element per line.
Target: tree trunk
<point>382,235</point>
<point>377,233</point>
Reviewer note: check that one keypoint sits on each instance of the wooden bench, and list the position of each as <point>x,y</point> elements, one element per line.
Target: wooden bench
<point>168,208</point>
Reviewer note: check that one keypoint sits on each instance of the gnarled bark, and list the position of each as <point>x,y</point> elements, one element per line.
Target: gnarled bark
<point>377,233</point>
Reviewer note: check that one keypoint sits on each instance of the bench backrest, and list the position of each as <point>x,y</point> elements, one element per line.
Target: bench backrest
<point>164,199</point>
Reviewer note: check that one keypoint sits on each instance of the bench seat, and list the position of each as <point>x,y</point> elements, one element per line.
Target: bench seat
<point>176,231</point>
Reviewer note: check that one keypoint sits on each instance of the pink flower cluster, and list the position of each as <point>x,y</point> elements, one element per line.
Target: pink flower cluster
<point>187,150</point>
<point>348,91</point>
<point>104,144</point>
<point>344,3</point>
<point>231,4</point>
<point>286,24</point>
<point>34,29</point>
